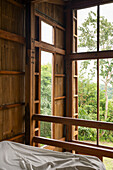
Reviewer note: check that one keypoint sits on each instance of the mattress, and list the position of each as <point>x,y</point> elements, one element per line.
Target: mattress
<point>15,156</point>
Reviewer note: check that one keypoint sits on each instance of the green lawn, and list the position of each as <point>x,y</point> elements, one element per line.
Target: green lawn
<point>108,162</point>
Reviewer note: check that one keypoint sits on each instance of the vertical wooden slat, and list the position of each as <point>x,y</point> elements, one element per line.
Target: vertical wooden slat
<point>39,85</point>
<point>53,92</point>
<point>68,71</point>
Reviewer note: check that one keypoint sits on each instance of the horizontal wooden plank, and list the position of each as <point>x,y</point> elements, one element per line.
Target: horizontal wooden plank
<point>52,147</point>
<point>56,2</point>
<point>75,76</point>
<point>21,135</point>
<point>59,75</point>
<point>74,121</point>
<point>12,37</point>
<point>80,148</point>
<point>36,101</point>
<point>36,129</point>
<point>17,137</point>
<point>49,47</point>
<point>75,114</point>
<point>36,74</point>
<point>16,3</point>
<point>8,106</point>
<point>59,98</point>
<point>75,95</point>
<point>86,3</point>
<point>92,55</point>
<point>11,73</point>
<point>91,144</point>
<point>53,23</point>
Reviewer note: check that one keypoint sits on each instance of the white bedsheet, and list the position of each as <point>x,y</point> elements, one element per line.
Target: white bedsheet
<point>15,156</point>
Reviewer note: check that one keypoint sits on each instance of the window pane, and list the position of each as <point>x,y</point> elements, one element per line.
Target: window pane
<point>106,27</point>
<point>46,91</point>
<point>87,29</point>
<point>87,89</point>
<point>106,89</point>
<point>87,134</point>
<point>106,98</point>
<point>47,33</point>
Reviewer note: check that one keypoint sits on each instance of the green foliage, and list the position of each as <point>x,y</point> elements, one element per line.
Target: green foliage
<point>87,89</point>
<point>46,86</point>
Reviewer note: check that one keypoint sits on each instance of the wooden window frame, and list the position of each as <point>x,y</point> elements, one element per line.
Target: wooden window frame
<point>74,56</point>
<point>51,48</point>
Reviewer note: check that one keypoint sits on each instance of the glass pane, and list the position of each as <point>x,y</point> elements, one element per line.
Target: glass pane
<point>87,89</point>
<point>106,89</point>
<point>106,98</point>
<point>46,91</point>
<point>106,27</point>
<point>87,134</point>
<point>87,29</point>
<point>47,33</point>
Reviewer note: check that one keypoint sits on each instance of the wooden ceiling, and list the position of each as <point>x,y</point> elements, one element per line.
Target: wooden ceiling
<point>74,4</point>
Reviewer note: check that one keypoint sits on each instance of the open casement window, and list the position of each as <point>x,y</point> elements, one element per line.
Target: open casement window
<point>48,77</point>
<point>92,76</point>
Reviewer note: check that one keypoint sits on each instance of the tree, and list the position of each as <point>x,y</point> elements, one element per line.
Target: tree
<point>46,86</point>
<point>87,39</point>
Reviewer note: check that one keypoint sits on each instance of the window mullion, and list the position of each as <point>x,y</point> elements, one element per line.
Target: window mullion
<point>98,16</point>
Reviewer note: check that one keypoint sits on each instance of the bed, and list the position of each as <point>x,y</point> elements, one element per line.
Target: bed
<point>15,156</point>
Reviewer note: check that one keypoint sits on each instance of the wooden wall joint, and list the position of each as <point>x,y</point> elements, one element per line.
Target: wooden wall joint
<point>12,37</point>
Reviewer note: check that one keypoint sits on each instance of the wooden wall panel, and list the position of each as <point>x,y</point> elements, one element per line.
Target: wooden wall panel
<point>54,11</point>
<point>60,36</point>
<point>12,58</point>
<point>59,86</point>
<point>14,119</point>
<point>12,18</point>
<point>59,64</point>
<point>12,89</point>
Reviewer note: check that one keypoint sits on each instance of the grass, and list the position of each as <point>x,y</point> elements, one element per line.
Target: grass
<point>108,162</point>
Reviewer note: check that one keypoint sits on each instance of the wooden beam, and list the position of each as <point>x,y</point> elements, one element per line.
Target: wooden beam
<point>50,21</point>
<point>11,73</point>
<point>59,98</point>
<point>59,75</point>
<point>12,37</point>
<point>80,148</point>
<point>49,47</point>
<point>16,3</point>
<point>86,3</point>
<point>22,135</point>
<point>56,2</point>
<point>91,144</point>
<point>92,55</point>
<point>76,122</point>
<point>8,106</point>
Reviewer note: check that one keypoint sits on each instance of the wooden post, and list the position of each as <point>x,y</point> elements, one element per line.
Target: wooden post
<point>68,71</point>
<point>30,56</point>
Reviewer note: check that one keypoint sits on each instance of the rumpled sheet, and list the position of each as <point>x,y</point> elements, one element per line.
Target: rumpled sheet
<point>15,156</point>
